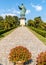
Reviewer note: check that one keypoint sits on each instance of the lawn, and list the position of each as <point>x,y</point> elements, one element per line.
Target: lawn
<point>43,39</point>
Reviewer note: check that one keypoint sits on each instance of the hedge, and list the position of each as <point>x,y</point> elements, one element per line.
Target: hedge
<point>39,31</point>
<point>5,30</point>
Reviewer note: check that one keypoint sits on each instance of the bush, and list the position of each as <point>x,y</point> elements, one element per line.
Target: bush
<point>41,32</point>
<point>44,27</point>
<point>19,53</point>
<point>8,23</point>
<point>5,30</point>
<point>30,23</point>
<point>41,59</point>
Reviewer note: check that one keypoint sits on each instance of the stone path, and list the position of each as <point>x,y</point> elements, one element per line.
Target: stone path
<point>20,36</point>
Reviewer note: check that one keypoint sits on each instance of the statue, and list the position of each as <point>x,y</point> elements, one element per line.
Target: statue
<point>23,11</point>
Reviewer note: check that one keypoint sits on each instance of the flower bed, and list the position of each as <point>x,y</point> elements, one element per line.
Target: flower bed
<point>41,59</point>
<point>19,53</point>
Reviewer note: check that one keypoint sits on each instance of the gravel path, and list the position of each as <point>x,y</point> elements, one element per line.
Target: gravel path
<point>20,36</point>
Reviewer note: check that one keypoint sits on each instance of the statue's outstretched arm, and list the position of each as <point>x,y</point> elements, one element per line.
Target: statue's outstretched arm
<point>20,8</point>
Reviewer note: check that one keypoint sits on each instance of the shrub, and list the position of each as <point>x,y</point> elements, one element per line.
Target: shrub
<point>45,27</point>
<point>41,59</point>
<point>39,31</point>
<point>19,53</point>
<point>30,23</point>
<point>5,30</point>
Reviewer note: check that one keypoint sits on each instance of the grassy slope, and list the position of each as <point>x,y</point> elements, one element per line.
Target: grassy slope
<point>43,39</point>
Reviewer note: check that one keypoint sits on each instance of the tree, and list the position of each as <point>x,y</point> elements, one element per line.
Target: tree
<point>30,22</point>
<point>44,25</point>
<point>1,22</point>
<point>16,20</point>
<point>1,18</point>
<point>7,22</point>
<point>11,21</point>
<point>37,20</point>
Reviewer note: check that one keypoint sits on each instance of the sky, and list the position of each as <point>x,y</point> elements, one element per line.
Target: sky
<point>34,8</point>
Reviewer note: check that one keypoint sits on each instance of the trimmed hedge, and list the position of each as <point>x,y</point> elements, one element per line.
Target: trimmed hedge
<point>4,31</point>
<point>39,31</point>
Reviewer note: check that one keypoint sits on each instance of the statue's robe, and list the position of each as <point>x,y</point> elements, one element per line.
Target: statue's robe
<point>23,10</point>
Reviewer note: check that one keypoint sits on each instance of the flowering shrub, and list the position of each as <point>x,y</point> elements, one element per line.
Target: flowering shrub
<point>41,59</point>
<point>19,53</point>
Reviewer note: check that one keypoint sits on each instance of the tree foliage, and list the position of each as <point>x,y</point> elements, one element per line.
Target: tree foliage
<point>8,22</point>
<point>38,25</point>
<point>30,22</point>
<point>38,21</point>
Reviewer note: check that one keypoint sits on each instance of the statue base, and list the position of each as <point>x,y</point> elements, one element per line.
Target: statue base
<point>22,21</point>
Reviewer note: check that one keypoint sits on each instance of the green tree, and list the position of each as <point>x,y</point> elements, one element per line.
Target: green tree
<point>1,18</point>
<point>37,20</point>
<point>11,21</point>
<point>1,22</point>
<point>44,25</point>
<point>16,20</point>
<point>7,22</point>
<point>30,22</point>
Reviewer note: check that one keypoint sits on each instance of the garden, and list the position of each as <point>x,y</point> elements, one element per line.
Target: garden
<point>8,23</point>
<point>39,26</point>
<point>20,55</point>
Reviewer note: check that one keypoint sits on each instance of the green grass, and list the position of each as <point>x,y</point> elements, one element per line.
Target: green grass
<point>5,34</point>
<point>43,39</point>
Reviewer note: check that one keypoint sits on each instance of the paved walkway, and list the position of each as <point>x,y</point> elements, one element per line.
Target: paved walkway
<point>20,36</point>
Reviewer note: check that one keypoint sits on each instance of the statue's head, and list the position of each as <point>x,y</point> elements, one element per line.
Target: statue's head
<point>22,3</point>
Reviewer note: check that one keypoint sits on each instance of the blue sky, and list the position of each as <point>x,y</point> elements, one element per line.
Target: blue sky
<point>34,8</point>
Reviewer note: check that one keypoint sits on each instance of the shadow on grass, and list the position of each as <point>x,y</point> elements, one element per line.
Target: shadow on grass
<point>28,62</point>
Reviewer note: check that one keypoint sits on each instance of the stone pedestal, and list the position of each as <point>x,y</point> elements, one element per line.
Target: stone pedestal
<point>22,21</point>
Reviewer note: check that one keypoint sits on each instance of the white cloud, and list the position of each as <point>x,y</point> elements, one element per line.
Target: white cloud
<point>37,7</point>
<point>18,12</point>
<point>15,11</point>
<point>28,11</point>
<point>4,14</point>
<point>11,12</point>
